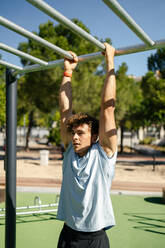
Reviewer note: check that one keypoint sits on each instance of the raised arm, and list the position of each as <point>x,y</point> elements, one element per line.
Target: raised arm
<point>107,126</point>
<point>65,97</point>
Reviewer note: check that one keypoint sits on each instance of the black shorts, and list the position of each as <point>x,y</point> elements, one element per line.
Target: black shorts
<point>70,238</point>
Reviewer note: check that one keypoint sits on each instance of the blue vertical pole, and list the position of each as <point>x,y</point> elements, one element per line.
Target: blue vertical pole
<point>11,127</point>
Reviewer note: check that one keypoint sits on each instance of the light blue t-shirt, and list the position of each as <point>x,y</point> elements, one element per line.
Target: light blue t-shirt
<point>85,203</point>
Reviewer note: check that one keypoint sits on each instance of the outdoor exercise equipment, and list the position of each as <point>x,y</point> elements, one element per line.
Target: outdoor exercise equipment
<point>41,208</point>
<point>11,86</point>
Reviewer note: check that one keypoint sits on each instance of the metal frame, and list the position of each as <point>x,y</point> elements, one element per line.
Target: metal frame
<point>125,17</point>
<point>10,160</point>
<point>86,57</point>
<point>34,212</point>
<point>22,54</point>
<point>66,22</point>
<point>11,87</point>
<point>18,29</point>
<point>40,207</point>
<point>9,65</point>
<point>52,64</point>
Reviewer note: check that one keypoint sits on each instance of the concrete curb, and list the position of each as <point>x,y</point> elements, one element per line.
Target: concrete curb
<point>50,190</point>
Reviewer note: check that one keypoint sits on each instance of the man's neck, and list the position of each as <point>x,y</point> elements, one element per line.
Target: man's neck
<point>84,152</point>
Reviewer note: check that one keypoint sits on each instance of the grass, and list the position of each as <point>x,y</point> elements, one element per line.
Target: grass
<point>140,223</point>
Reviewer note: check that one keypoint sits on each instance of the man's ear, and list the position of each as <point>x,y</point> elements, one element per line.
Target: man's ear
<point>94,138</point>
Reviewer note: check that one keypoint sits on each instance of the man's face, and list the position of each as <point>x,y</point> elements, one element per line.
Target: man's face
<point>81,139</point>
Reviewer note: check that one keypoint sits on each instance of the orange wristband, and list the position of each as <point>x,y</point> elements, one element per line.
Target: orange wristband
<point>67,74</point>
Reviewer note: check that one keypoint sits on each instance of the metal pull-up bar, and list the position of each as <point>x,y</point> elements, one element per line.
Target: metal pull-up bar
<point>22,54</point>
<point>66,22</point>
<point>12,26</point>
<point>113,4</point>
<point>9,65</point>
<point>125,17</point>
<point>86,57</point>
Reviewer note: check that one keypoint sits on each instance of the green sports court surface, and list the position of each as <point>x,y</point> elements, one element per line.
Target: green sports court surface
<point>140,223</point>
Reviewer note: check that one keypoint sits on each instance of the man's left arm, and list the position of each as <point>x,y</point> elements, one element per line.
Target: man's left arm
<point>107,126</point>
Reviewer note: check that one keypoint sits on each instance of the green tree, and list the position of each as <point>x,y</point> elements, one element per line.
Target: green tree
<point>128,102</point>
<point>87,92</point>
<point>156,62</point>
<point>153,106</point>
<point>54,134</point>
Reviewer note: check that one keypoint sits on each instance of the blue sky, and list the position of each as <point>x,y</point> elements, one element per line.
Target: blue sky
<point>101,21</point>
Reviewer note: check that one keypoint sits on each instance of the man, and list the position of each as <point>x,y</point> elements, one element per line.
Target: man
<point>88,165</point>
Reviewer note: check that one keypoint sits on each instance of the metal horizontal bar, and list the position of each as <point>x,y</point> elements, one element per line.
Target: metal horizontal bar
<point>33,212</point>
<point>91,56</point>
<point>121,51</point>
<point>140,48</point>
<point>66,22</point>
<point>7,64</point>
<point>24,32</point>
<point>125,17</point>
<point>37,212</point>
<point>36,67</point>
<point>35,206</point>
<point>22,54</point>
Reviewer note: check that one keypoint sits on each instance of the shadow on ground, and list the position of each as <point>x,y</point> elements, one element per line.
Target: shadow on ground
<point>148,222</point>
<point>32,218</point>
<point>156,200</point>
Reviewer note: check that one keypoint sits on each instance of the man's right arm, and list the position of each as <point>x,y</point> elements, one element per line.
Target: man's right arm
<point>65,97</point>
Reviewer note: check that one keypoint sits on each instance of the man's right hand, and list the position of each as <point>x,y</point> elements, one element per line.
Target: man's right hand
<point>70,65</point>
<point>109,55</point>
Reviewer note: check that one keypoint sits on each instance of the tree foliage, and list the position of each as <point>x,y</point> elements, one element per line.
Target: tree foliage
<point>153,88</point>
<point>128,102</point>
<point>129,98</point>
<point>156,62</point>
<point>153,107</point>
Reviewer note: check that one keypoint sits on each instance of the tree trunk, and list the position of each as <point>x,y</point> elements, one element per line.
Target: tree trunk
<point>29,129</point>
<point>121,138</point>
